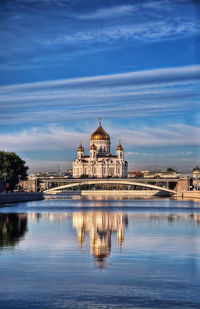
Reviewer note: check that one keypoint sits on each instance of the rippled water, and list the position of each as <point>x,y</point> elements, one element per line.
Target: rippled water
<point>100,254</point>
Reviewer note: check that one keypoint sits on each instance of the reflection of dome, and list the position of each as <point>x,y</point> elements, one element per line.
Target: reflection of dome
<point>119,147</point>
<point>93,147</point>
<point>100,134</point>
<point>101,257</point>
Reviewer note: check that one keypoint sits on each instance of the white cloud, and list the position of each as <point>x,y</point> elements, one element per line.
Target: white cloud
<point>173,135</point>
<point>59,139</point>
<point>127,10</point>
<point>54,139</point>
<point>58,146</point>
<point>146,76</point>
<point>46,165</point>
<point>179,154</point>
<point>108,12</point>
<point>149,31</point>
<point>144,93</point>
<point>89,91</point>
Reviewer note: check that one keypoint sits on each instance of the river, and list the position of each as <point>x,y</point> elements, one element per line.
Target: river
<point>79,253</point>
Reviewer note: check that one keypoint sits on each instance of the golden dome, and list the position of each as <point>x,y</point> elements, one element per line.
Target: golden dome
<point>119,147</point>
<point>93,147</point>
<point>80,148</point>
<point>100,134</point>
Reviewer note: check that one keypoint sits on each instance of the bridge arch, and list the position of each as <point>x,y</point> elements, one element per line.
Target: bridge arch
<point>110,181</point>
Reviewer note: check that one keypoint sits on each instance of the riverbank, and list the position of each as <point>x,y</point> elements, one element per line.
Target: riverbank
<point>125,193</point>
<point>15,197</point>
<point>190,194</point>
<point>113,193</point>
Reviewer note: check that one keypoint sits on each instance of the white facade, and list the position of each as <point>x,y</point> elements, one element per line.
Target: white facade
<point>100,163</point>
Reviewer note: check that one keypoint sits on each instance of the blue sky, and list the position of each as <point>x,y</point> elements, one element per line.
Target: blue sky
<point>64,63</point>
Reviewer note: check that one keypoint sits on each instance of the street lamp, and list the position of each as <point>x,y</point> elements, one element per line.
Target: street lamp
<point>5,174</point>
<point>19,176</point>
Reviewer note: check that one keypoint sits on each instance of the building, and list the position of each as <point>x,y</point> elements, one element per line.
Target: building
<point>29,185</point>
<point>162,174</point>
<point>196,179</point>
<point>100,163</point>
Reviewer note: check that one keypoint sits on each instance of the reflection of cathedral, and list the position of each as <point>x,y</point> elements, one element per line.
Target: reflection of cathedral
<point>100,163</point>
<point>100,226</point>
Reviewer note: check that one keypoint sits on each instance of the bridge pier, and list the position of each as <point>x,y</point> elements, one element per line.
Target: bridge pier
<point>182,185</point>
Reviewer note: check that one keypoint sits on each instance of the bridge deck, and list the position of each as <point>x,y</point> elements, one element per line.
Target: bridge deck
<point>81,182</point>
<point>140,180</point>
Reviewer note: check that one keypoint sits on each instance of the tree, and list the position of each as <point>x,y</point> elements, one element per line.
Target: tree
<point>171,169</point>
<point>196,169</point>
<point>139,175</point>
<point>13,168</point>
<point>83,176</point>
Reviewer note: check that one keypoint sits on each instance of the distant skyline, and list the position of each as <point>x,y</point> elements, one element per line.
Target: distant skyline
<point>64,63</point>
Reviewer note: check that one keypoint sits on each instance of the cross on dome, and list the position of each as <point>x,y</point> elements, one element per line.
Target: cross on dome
<point>100,133</point>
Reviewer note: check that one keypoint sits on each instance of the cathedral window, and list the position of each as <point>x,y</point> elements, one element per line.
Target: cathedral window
<point>111,171</point>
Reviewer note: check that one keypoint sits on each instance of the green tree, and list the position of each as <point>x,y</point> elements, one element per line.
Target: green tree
<point>196,169</point>
<point>13,168</point>
<point>83,176</point>
<point>171,169</point>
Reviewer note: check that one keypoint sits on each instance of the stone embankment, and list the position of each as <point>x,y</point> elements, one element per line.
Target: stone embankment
<point>189,194</point>
<point>126,193</point>
<point>16,197</point>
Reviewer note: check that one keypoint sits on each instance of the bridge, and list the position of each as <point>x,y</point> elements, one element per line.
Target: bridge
<point>73,183</point>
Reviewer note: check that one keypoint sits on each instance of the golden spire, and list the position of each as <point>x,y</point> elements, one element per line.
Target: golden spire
<point>80,148</point>
<point>119,147</point>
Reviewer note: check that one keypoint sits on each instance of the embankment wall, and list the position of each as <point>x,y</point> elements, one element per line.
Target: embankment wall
<point>189,194</point>
<point>20,197</point>
<point>136,193</point>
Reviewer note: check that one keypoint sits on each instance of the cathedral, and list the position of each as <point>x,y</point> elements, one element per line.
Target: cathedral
<point>100,163</point>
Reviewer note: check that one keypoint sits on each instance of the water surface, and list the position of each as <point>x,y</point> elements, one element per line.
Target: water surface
<point>100,254</point>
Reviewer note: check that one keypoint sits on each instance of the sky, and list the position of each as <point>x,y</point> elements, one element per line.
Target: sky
<point>64,63</point>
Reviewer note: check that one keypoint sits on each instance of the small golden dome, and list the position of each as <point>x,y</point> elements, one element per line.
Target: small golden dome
<point>93,147</point>
<point>119,147</point>
<point>80,148</point>
<point>100,134</point>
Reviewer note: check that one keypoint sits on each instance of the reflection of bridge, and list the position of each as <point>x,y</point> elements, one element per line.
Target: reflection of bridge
<point>114,184</point>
